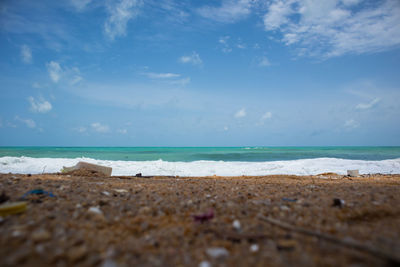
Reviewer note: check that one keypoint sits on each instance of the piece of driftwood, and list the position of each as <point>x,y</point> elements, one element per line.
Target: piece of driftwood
<point>392,259</point>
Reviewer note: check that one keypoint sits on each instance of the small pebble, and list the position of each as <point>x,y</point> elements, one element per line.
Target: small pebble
<point>337,202</point>
<point>236,225</point>
<point>95,210</point>
<point>106,193</point>
<point>204,264</point>
<point>254,248</point>
<point>217,252</point>
<point>40,235</point>
<point>121,190</point>
<point>109,263</point>
<point>77,253</point>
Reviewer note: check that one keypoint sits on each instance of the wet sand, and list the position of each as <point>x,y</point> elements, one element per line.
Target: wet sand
<point>220,221</point>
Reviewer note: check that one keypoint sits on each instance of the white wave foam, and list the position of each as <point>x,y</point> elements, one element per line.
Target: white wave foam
<point>205,168</point>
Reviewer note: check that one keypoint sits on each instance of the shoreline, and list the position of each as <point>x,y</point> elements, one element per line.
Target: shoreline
<point>152,221</point>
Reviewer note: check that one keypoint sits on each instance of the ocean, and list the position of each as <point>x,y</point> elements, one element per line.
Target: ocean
<point>205,161</point>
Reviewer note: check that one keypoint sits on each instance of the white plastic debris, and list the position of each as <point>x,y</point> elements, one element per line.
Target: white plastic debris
<point>217,252</point>
<point>106,193</point>
<point>254,248</point>
<point>204,264</point>
<point>95,210</point>
<point>121,190</point>
<point>236,225</point>
<point>353,173</point>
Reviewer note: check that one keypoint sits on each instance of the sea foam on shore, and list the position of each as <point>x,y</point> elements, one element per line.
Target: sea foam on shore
<point>205,168</point>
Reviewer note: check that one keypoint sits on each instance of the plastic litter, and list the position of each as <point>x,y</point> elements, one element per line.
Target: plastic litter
<point>37,192</point>
<point>217,252</point>
<point>12,208</point>
<point>337,202</point>
<point>204,217</point>
<point>236,225</point>
<point>289,199</point>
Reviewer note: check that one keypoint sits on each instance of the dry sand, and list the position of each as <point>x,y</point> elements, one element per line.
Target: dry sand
<point>150,221</point>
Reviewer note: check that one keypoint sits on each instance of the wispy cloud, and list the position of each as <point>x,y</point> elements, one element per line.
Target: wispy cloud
<point>167,75</point>
<point>26,54</point>
<point>122,131</point>
<point>100,128</point>
<point>333,28</point>
<point>39,105</point>
<point>180,82</point>
<point>119,15</point>
<point>267,115</point>
<point>28,122</point>
<point>241,113</point>
<point>80,5</point>
<point>224,42</point>
<point>264,62</point>
<point>351,124</point>
<point>54,70</point>
<point>230,11</point>
<point>193,59</point>
<point>369,105</point>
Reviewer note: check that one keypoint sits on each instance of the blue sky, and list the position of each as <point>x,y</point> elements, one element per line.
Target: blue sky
<point>199,73</point>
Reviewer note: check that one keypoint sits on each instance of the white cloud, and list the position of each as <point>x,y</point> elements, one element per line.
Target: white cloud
<point>229,11</point>
<point>224,41</point>
<point>153,75</point>
<point>194,59</point>
<point>80,4</point>
<point>98,127</point>
<point>41,105</point>
<point>26,54</point>
<point>368,105</point>
<point>226,128</point>
<point>81,129</point>
<point>36,85</point>
<point>28,122</point>
<point>264,62</point>
<point>180,82</point>
<point>54,70</point>
<point>123,131</point>
<point>241,113</point>
<point>75,75</point>
<point>334,28</point>
<point>266,116</point>
<point>351,124</point>
<point>119,15</point>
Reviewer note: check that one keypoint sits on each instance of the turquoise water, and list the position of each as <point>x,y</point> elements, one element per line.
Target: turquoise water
<point>188,154</point>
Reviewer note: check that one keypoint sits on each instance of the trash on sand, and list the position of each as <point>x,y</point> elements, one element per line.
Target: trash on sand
<point>204,217</point>
<point>337,202</point>
<point>204,264</point>
<point>236,225</point>
<point>37,192</point>
<point>121,190</point>
<point>353,173</point>
<point>95,210</point>
<point>254,248</point>
<point>3,198</point>
<point>289,199</point>
<point>106,193</point>
<point>12,208</point>
<point>88,166</point>
<point>217,252</point>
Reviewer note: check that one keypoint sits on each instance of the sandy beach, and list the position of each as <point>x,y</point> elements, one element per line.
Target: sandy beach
<point>326,220</point>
